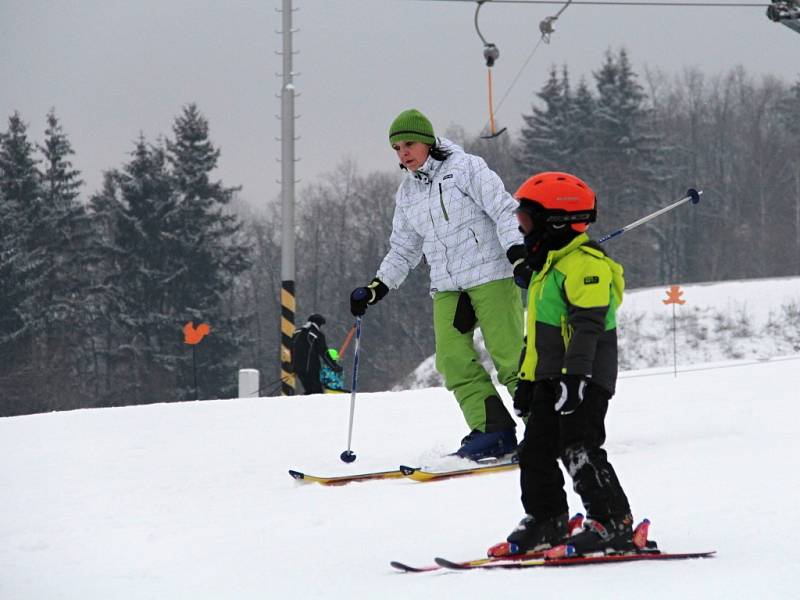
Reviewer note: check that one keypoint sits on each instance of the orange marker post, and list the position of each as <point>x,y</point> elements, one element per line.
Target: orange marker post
<point>674,294</point>
<point>194,336</point>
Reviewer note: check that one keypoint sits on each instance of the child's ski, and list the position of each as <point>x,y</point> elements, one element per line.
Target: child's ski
<point>573,561</point>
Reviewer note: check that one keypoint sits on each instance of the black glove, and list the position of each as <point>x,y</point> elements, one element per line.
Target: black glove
<point>362,296</point>
<point>572,388</point>
<point>517,256</point>
<point>523,397</point>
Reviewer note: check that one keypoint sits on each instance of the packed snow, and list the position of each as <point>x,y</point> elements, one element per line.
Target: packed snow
<point>193,500</point>
<point>753,318</point>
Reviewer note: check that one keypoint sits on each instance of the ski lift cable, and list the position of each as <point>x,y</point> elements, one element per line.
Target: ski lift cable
<point>626,3</point>
<point>519,74</point>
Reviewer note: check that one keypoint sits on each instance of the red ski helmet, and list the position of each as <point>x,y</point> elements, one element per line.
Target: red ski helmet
<point>559,199</point>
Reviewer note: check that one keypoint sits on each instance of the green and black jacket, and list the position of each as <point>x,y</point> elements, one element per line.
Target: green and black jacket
<point>572,326</point>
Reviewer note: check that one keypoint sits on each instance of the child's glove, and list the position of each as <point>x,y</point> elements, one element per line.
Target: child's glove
<point>572,388</point>
<point>523,397</point>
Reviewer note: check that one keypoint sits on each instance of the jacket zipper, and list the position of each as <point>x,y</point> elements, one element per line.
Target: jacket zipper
<point>433,227</point>
<point>441,202</point>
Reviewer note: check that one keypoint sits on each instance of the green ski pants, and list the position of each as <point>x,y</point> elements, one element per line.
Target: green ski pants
<point>498,308</point>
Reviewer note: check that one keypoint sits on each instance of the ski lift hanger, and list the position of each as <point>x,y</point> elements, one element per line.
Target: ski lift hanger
<point>490,53</point>
<point>785,11</point>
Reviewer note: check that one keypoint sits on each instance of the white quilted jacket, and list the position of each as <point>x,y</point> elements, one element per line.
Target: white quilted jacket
<point>460,216</point>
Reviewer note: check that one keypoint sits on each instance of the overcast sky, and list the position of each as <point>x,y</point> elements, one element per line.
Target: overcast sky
<point>113,69</point>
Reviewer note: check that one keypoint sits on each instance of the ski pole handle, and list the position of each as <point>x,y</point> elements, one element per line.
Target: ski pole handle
<point>692,195</point>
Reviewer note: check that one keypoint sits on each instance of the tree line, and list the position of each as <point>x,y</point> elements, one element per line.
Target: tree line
<point>94,293</point>
<point>94,290</point>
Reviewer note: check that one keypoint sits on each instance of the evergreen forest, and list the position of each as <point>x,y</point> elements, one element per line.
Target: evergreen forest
<point>96,285</point>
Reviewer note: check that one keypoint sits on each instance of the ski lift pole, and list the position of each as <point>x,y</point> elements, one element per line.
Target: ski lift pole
<point>692,195</point>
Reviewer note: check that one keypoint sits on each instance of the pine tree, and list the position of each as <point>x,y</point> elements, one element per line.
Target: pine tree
<point>628,157</point>
<point>581,134</point>
<point>560,136</point>
<point>63,233</point>
<point>618,114</point>
<point>135,219</point>
<point>171,254</point>
<point>61,183</point>
<point>543,144</point>
<point>210,245</point>
<point>20,262</point>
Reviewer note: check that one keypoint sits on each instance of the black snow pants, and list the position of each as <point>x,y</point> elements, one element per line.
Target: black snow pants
<point>311,382</point>
<point>576,439</point>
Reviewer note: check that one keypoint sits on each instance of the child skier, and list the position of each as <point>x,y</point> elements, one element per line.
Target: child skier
<point>331,380</point>
<point>568,373</point>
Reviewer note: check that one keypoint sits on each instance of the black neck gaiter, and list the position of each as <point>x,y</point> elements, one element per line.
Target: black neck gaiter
<point>539,244</point>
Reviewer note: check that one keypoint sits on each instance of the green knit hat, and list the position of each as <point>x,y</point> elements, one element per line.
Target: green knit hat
<point>411,125</point>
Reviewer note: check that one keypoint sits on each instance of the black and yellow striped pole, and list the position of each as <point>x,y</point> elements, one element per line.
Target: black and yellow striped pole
<point>287,329</point>
<point>287,205</point>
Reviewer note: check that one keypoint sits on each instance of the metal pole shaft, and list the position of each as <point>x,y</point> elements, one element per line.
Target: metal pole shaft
<point>287,206</point>
<point>674,340</point>
<point>355,383</point>
<point>693,197</point>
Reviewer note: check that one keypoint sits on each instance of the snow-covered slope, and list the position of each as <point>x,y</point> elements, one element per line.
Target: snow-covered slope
<point>753,318</point>
<point>193,500</point>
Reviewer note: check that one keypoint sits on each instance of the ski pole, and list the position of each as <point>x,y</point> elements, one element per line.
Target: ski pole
<point>346,341</point>
<point>348,455</point>
<point>692,194</point>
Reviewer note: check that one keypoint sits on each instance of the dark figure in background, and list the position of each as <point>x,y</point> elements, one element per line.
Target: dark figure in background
<point>309,348</point>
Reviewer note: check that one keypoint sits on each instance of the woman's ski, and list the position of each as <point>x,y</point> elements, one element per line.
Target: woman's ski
<point>413,473</point>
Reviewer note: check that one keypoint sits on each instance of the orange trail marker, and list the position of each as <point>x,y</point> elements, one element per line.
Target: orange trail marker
<point>192,335</point>
<point>674,294</point>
